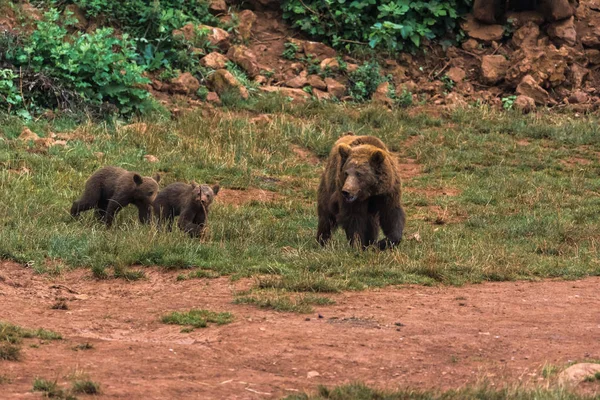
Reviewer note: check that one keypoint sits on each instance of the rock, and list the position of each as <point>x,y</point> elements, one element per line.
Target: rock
<point>99,155</point>
<point>312,374</point>
<point>79,15</point>
<point>245,58</point>
<point>316,82</point>
<point>261,80</point>
<point>579,97</point>
<point>216,36</point>
<point>456,74</point>
<point>246,20</point>
<point>350,67</point>
<point>398,73</point>
<point>578,75</point>
<point>525,104</point>
<point>335,88</point>
<point>214,60</point>
<point>471,45</point>
<point>330,64</point>
<point>493,68</point>
<point>318,50</point>
<point>30,11</point>
<point>555,10</point>
<point>577,373</point>
<point>298,82</point>
<point>217,7</point>
<point>213,97</point>
<point>382,95</point>
<point>185,83</point>
<point>455,100</point>
<point>296,95</point>
<point>563,31</point>
<point>526,36</point>
<point>547,64</point>
<point>593,56</point>
<point>151,159</point>
<point>408,86</point>
<point>27,135</point>
<point>321,95</point>
<point>477,30</point>
<point>222,81</point>
<point>485,11</point>
<point>529,87</point>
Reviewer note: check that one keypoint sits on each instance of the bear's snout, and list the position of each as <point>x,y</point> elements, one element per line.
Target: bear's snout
<point>349,197</point>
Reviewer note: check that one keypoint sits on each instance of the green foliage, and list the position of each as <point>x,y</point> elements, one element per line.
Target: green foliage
<point>290,51</point>
<point>197,318</point>
<point>11,100</point>
<point>390,24</point>
<point>508,102</point>
<point>85,386</point>
<point>97,65</point>
<point>448,82</point>
<point>364,81</point>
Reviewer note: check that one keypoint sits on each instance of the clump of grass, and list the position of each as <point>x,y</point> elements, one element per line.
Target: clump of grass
<point>282,300</point>
<point>199,274</point>
<point>4,379</point>
<point>60,305</point>
<point>359,391</point>
<point>83,346</point>
<point>128,274</point>
<point>549,370</point>
<point>10,352</point>
<point>197,318</point>
<point>51,389</point>
<point>85,387</point>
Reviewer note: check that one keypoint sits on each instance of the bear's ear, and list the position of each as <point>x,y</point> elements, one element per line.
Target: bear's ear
<point>157,177</point>
<point>377,157</point>
<point>216,189</point>
<point>344,151</point>
<point>138,179</point>
<point>193,184</point>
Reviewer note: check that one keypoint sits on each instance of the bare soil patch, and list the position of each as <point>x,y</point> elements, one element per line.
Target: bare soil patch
<point>239,197</point>
<point>573,162</point>
<point>431,192</point>
<point>409,168</point>
<point>305,155</point>
<point>422,337</point>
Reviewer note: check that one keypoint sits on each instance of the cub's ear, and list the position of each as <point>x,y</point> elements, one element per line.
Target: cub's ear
<point>216,189</point>
<point>344,151</point>
<point>157,177</point>
<point>377,157</point>
<point>138,179</point>
<point>193,184</point>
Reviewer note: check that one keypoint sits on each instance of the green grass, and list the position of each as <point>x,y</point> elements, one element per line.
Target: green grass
<point>197,318</point>
<point>282,300</point>
<point>85,387</point>
<point>11,337</point>
<point>520,211</point>
<point>362,392</point>
<point>51,389</point>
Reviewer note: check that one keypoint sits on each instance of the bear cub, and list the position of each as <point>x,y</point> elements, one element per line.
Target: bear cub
<point>190,201</point>
<point>360,190</point>
<point>110,189</point>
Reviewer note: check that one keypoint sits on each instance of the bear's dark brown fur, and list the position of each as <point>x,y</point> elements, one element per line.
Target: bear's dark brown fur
<point>190,202</point>
<point>111,188</point>
<point>360,190</point>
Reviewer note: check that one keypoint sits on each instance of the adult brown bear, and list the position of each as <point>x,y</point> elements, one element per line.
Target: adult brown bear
<point>360,190</point>
<point>110,189</point>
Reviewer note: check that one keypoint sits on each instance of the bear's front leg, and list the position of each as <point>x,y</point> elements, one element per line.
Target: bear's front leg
<point>114,206</point>
<point>392,224</point>
<point>144,213</point>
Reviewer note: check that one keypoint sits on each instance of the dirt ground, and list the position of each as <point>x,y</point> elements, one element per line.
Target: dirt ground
<point>407,336</point>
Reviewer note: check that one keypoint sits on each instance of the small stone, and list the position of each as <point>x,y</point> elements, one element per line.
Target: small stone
<point>381,95</point>
<point>312,374</point>
<point>99,155</point>
<point>214,60</point>
<point>213,97</point>
<point>185,83</point>
<point>321,95</point>
<point>525,104</point>
<point>471,45</point>
<point>456,74</point>
<point>150,158</point>
<point>529,87</point>
<point>27,135</point>
<point>246,20</point>
<point>316,82</point>
<point>330,64</point>
<point>564,31</point>
<point>493,68</point>
<point>318,50</point>
<point>335,88</point>
<point>245,58</point>
<point>298,81</point>
<point>477,30</point>
<point>217,7</point>
<point>579,97</point>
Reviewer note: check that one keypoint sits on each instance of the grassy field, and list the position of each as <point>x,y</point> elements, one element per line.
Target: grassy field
<point>523,198</point>
<point>363,392</point>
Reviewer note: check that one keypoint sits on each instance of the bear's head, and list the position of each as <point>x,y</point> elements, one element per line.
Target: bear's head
<point>363,172</point>
<point>204,194</point>
<point>146,188</point>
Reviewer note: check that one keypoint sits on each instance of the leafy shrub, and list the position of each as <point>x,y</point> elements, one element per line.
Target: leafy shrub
<point>97,65</point>
<point>10,96</point>
<point>390,24</point>
<point>364,81</point>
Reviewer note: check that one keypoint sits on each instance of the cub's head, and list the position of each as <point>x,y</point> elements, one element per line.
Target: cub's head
<point>361,172</point>
<point>204,194</point>
<point>146,187</point>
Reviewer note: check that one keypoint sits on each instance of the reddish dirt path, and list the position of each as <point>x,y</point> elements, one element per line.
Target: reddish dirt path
<point>450,337</point>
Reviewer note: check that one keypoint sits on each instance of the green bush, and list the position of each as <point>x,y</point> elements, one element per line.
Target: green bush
<point>364,81</point>
<point>96,65</point>
<point>389,24</point>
